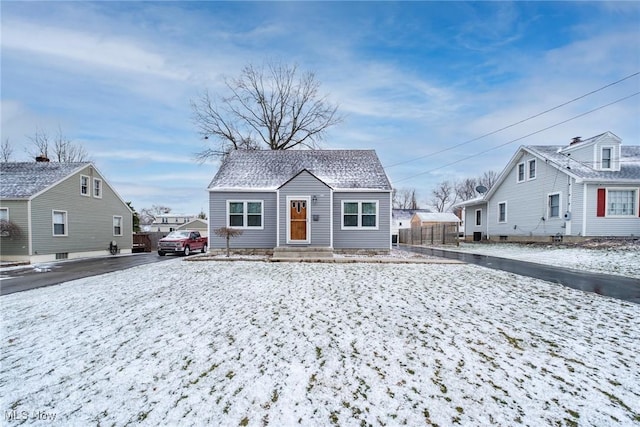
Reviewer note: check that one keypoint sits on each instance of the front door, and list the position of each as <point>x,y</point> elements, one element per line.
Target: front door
<point>298,220</point>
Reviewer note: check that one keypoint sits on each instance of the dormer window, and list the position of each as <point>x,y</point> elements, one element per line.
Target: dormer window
<point>532,169</point>
<point>606,158</point>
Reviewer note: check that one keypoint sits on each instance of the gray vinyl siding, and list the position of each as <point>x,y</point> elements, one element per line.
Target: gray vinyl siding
<point>610,226</point>
<point>527,202</point>
<point>89,219</point>
<point>18,214</point>
<point>306,185</point>
<point>363,239</point>
<point>264,238</point>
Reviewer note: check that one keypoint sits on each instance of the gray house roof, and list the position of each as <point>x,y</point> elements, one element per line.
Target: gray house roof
<point>629,163</point>
<point>23,180</point>
<point>270,169</point>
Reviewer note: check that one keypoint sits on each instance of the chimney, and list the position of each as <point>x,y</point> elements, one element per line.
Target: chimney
<point>575,140</point>
<point>42,158</point>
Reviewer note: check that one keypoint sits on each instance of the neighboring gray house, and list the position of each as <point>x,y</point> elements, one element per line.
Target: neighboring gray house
<point>337,199</point>
<point>588,188</point>
<point>62,210</point>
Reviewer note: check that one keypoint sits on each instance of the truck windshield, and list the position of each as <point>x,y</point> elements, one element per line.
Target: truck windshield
<point>178,235</point>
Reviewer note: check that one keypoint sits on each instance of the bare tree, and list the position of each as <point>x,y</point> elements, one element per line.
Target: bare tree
<point>444,196</point>
<point>404,198</point>
<point>64,150</point>
<point>272,106</point>
<point>10,229</point>
<point>466,189</point>
<point>6,151</point>
<point>488,179</point>
<point>68,152</point>
<point>148,215</point>
<point>40,142</point>
<point>227,233</point>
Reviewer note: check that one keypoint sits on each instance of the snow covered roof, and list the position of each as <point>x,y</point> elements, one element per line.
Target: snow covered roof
<point>405,214</point>
<point>270,169</point>
<point>23,180</point>
<point>437,217</point>
<point>629,163</point>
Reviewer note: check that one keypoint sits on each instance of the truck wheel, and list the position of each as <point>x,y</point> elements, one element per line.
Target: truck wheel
<point>161,253</point>
<point>187,251</point>
<point>204,249</point>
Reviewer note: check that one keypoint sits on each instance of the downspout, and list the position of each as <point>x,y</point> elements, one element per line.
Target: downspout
<point>390,223</point>
<point>331,218</point>
<point>567,223</point>
<point>584,209</point>
<point>277,218</point>
<point>29,230</point>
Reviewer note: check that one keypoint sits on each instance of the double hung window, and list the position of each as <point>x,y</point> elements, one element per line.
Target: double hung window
<point>502,212</point>
<point>245,214</point>
<point>360,214</point>
<point>60,223</point>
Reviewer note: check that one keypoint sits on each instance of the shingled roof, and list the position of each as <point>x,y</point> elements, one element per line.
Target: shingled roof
<point>23,180</point>
<point>270,169</point>
<point>629,163</point>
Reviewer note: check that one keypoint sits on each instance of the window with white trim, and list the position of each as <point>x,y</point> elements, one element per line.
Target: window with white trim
<point>84,185</point>
<point>59,220</point>
<point>554,206</point>
<point>502,212</point>
<point>621,202</point>
<point>117,225</point>
<point>245,214</point>
<point>360,214</point>
<point>520,172</point>
<point>97,188</point>
<point>606,158</point>
<point>478,217</point>
<point>532,169</point>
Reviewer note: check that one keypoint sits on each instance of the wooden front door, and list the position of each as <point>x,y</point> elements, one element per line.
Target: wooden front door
<point>298,217</point>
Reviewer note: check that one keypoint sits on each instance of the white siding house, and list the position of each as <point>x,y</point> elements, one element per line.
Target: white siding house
<point>589,188</point>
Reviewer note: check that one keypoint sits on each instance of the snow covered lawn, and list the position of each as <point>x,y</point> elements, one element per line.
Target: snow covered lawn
<point>255,343</point>
<point>623,260</point>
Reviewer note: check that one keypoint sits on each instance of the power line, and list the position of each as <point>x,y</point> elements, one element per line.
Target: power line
<point>522,137</point>
<point>514,124</point>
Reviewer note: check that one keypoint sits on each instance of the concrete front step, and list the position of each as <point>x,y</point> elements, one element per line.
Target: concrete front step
<point>305,252</point>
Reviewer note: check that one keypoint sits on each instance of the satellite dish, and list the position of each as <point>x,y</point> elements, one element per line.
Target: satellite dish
<point>481,189</point>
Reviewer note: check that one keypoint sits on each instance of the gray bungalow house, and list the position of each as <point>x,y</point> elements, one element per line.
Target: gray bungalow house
<point>332,199</point>
<point>60,211</point>
<point>589,188</point>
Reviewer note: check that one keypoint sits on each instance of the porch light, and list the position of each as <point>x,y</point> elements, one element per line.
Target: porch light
<point>314,199</point>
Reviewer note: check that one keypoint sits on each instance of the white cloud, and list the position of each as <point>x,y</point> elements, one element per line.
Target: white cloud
<point>108,51</point>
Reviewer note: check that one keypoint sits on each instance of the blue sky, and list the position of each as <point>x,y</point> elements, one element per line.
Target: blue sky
<point>411,78</point>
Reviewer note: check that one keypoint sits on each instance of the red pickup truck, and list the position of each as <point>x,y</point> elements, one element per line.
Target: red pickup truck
<point>182,242</point>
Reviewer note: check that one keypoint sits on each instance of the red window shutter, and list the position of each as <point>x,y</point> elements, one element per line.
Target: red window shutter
<point>601,202</point>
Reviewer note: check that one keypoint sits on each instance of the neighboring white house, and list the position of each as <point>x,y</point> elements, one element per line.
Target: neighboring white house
<point>588,188</point>
<point>169,222</point>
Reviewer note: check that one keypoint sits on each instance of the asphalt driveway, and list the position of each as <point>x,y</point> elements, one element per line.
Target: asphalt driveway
<point>54,273</point>
<point>624,288</point>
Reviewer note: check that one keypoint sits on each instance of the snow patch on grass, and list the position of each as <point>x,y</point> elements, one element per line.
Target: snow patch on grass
<point>246,343</point>
<point>622,260</point>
